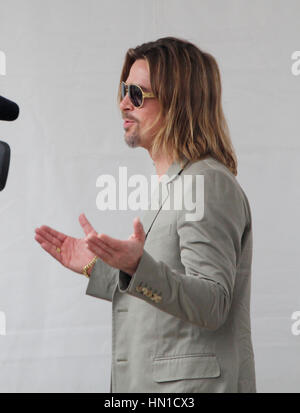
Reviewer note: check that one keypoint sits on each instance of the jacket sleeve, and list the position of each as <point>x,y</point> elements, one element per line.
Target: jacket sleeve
<point>210,251</point>
<point>102,281</point>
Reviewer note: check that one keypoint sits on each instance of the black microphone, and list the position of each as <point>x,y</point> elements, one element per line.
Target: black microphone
<point>4,163</point>
<point>9,110</point>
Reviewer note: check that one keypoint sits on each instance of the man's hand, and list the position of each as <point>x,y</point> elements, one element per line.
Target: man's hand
<point>124,255</point>
<point>71,252</point>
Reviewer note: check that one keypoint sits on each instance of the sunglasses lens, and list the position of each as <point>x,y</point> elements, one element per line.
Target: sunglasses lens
<point>123,90</point>
<point>135,95</point>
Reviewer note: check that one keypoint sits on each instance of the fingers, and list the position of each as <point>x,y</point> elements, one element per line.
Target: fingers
<point>50,240</point>
<point>87,227</point>
<point>138,229</point>
<point>113,243</point>
<point>99,248</point>
<point>49,247</point>
<point>48,236</point>
<point>57,237</point>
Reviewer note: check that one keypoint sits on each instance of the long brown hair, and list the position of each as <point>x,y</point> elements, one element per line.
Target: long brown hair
<point>187,84</point>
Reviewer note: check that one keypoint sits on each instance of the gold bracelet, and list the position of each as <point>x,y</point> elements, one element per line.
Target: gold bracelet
<point>88,266</point>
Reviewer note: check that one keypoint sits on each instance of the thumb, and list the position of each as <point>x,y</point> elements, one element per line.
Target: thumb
<point>86,226</point>
<point>139,229</point>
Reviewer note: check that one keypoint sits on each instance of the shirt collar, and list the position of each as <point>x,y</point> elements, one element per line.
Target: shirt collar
<point>174,169</point>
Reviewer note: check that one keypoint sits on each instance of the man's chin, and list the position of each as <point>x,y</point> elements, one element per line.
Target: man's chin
<point>132,141</point>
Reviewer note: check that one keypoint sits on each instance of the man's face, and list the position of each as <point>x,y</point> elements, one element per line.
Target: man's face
<point>139,118</point>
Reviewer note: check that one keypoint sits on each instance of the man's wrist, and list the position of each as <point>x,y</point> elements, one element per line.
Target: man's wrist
<point>132,271</point>
<point>87,269</point>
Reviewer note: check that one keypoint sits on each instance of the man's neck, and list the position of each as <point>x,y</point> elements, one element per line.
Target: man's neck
<point>162,164</point>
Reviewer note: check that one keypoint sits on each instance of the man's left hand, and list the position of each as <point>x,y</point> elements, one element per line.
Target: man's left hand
<point>124,255</point>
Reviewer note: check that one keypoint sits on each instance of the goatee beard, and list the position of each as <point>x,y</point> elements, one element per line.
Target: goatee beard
<point>132,141</point>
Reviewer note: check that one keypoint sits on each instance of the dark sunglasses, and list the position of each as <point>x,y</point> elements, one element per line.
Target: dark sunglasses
<point>135,93</point>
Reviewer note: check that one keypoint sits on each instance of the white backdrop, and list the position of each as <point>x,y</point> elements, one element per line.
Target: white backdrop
<point>63,66</point>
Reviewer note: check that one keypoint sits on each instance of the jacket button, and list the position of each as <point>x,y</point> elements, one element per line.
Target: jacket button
<point>144,290</point>
<point>156,298</point>
<point>149,294</point>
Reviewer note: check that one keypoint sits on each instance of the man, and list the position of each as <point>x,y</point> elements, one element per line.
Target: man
<point>180,285</point>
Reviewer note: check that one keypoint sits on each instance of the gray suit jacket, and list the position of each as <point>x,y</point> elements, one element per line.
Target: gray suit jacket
<point>181,323</point>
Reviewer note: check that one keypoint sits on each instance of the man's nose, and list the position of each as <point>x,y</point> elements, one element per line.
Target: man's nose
<point>126,103</point>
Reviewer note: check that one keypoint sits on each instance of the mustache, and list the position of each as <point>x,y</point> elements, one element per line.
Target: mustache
<point>128,118</point>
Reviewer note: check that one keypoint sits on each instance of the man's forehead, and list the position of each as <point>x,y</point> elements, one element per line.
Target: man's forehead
<point>139,75</point>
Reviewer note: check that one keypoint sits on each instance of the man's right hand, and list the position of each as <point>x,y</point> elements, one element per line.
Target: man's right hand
<point>70,252</point>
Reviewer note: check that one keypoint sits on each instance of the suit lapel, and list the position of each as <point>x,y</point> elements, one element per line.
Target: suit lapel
<point>160,195</point>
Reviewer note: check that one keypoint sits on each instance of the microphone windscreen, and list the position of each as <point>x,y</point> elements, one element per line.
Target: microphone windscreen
<point>9,110</point>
